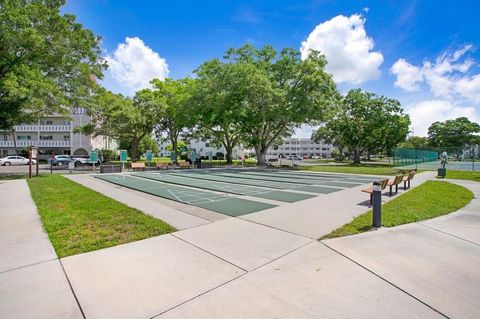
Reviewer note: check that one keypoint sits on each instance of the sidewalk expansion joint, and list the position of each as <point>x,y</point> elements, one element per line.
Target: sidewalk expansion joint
<point>448,234</point>
<point>386,280</point>
<point>73,291</point>
<point>26,266</point>
<point>229,281</point>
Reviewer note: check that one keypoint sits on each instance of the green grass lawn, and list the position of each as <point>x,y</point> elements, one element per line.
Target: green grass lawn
<point>472,176</point>
<point>78,219</point>
<point>371,169</point>
<point>428,200</point>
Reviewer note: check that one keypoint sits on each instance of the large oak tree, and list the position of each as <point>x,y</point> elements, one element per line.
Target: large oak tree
<point>47,61</point>
<point>365,122</point>
<point>265,94</point>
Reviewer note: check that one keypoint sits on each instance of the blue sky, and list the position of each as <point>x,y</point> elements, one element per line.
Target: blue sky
<point>424,53</point>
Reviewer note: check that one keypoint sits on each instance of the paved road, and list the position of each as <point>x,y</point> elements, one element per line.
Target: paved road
<point>42,169</point>
<point>238,268</point>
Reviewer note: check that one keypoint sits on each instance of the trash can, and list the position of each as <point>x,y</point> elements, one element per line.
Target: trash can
<point>442,172</point>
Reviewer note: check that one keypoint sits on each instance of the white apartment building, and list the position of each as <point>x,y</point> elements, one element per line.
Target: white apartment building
<point>203,148</point>
<point>303,147</point>
<point>53,134</point>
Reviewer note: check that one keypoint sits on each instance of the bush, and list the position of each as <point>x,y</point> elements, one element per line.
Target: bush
<point>108,155</point>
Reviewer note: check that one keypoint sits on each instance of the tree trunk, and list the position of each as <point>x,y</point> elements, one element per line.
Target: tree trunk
<point>174,141</point>
<point>261,154</point>
<point>14,141</point>
<point>134,149</point>
<point>356,156</point>
<point>340,154</point>
<point>228,155</point>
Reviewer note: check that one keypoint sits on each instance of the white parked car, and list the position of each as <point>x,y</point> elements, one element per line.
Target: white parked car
<point>295,158</point>
<point>15,160</point>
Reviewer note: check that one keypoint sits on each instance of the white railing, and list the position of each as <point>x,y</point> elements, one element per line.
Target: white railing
<point>43,128</point>
<point>44,143</point>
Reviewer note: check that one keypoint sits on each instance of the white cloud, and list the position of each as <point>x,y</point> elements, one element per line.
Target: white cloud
<point>424,113</point>
<point>134,64</point>
<point>469,87</point>
<point>447,77</point>
<point>348,49</point>
<point>408,76</point>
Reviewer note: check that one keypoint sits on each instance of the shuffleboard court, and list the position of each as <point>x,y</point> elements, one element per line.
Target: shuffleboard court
<point>315,177</point>
<point>263,183</point>
<point>220,203</point>
<point>225,187</point>
<point>290,180</point>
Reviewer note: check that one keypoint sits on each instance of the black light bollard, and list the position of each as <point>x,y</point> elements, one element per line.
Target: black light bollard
<point>377,205</point>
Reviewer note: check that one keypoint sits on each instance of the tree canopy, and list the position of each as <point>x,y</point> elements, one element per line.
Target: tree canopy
<point>415,142</point>
<point>365,122</point>
<point>169,100</point>
<point>456,133</point>
<point>48,61</point>
<point>125,119</point>
<point>267,94</point>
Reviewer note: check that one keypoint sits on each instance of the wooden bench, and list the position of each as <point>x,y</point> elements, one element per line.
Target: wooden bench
<point>394,182</point>
<point>184,165</point>
<point>136,166</point>
<point>383,184</point>
<point>407,178</point>
<point>162,166</point>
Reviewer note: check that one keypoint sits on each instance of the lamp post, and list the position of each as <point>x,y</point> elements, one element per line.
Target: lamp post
<point>377,205</point>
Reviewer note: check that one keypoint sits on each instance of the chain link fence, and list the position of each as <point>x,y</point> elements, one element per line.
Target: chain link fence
<point>458,158</point>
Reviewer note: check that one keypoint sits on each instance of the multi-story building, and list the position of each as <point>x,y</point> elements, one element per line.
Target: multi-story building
<point>303,147</point>
<point>203,148</point>
<point>54,135</point>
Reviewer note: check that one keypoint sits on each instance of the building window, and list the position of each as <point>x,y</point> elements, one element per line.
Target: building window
<point>66,137</point>
<point>5,137</point>
<point>24,137</point>
<point>46,137</point>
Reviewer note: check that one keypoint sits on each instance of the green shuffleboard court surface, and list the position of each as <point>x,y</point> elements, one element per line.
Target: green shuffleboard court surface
<point>191,181</point>
<point>291,180</point>
<point>305,176</point>
<point>255,182</point>
<point>216,202</point>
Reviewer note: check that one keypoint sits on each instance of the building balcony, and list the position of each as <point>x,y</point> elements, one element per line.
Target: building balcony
<point>42,128</point>
<point>44,143</point>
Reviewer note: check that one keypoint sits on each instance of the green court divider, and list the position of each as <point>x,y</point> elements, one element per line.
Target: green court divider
<point>219,203</point>
<point>226,187</point>
<point>409,156</point>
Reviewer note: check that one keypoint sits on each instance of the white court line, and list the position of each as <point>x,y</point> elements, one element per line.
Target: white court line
<point>181,201</point>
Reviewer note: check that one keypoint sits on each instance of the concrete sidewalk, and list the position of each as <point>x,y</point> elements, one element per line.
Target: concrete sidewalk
<point>320,215</point>
<point>435,261</point>
<point>238,268</point>
<point>32,281</point>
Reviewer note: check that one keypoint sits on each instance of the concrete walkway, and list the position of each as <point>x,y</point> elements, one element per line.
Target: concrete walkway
<point>320,215</point>
<point>32,281</point>
<point>241,268</point>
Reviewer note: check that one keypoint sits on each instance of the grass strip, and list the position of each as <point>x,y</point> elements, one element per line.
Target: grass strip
<point>471,176</point>
<point>369,169</point>
<point>78,219</point>
<point>431,199</point>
